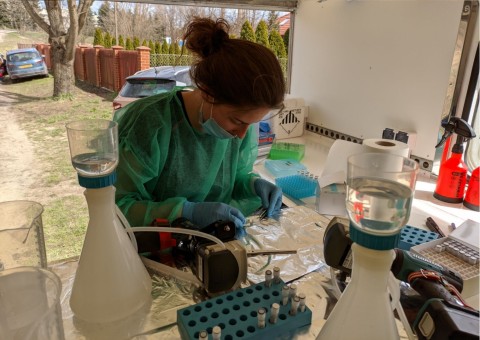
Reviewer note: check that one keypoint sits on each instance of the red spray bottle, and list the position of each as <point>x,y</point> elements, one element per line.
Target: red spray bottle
<point>453,172</point>
<point>472,197</point>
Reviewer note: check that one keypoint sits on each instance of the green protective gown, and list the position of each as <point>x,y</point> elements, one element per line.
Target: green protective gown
<point>164,162</point>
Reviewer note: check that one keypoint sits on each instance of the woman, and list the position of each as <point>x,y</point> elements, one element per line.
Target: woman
<point>190,153</point>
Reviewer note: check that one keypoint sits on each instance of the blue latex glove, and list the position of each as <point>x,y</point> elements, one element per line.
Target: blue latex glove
<point>205,213</point>
<point>270,194</point>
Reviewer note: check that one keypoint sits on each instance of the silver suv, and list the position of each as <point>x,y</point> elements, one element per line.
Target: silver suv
<point>152,81</point>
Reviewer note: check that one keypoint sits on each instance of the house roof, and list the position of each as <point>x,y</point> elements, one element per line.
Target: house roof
<point>283,23</point>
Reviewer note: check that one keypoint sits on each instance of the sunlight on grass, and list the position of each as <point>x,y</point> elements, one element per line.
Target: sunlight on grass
<point>64,223</point>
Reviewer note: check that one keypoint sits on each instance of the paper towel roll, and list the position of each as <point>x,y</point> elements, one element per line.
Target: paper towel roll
<point>335,170</point>
<point>386,146</point>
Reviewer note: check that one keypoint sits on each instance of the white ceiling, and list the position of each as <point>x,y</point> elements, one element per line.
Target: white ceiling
<point>276,5</point>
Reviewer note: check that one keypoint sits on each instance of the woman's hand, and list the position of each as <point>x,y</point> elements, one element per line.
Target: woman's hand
<point>205,213</point>
<point>270,194</point>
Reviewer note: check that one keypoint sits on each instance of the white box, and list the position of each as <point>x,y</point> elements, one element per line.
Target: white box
<point>291,121</point>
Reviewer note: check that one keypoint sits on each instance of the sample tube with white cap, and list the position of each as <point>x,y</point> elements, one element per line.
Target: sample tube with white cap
<point>268,278</point>
<point>261,315</point>
<point>285,292</point>
<point>276,274</point>
<point>274,313</point>
<point>295,304</point>
<point>203,335</point>
<point>216,333</point>
<point>302,298</point>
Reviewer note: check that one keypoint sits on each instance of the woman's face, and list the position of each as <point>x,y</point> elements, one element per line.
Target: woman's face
<point>236,121</point>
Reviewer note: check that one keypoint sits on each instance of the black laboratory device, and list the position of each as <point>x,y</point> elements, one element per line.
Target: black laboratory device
<point>338,254</point>
<point>219,269</point>
<point>440,317</point>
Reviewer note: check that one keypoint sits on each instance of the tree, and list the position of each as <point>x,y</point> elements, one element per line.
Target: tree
<point>136,42</point>
<point>98,37</point>
<point>114,42</point>
<point>272,21</point>
<point>62,36</point>
<point>129,45</point>
<point>261,34</point>
<point>158,48</point>
<point>171,48</point>
<point>151,46</point>
<point>286,37</point>
<point>164,47</point>
<point>104,13</point>
<point>276,44</point>
<point>144,43</point>
<point>247,32</point>
<point>107,40</point>
<point>121,42</point>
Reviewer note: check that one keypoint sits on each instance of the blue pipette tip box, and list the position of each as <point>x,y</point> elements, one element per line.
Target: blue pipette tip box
<point>283,167</point>
<point>411,236</point>
<point>297,186</point>
<point>236,314</point>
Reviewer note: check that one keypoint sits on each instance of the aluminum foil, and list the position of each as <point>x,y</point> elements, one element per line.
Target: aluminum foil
<point>299,228</point>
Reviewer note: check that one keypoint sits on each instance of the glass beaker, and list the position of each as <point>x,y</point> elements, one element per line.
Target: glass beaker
<point>21,234</point>
<point>30,304</point>
<point>380,189</point>
<point>93,146</point>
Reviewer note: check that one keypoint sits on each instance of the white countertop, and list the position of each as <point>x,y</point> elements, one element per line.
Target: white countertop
<point>424,204</point>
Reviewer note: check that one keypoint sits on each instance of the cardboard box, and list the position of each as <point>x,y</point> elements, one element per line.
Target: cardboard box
<point>291,121</point>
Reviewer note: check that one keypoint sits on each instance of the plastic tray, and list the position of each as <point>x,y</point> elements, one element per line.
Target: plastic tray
<point>282,150</point>
<point>236,314</point>
<point>411,236</point>
<point>297,186</point>
<point>283,167</point>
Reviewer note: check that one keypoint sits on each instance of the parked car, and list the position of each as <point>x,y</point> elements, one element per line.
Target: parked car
<point>25,63</point>
<point>3,67</point>
<point>152,81</point>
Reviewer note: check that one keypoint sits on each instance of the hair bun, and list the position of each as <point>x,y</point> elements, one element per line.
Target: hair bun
<point>205,36</point>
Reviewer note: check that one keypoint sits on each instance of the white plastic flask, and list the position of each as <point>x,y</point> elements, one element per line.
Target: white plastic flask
<point>111,282</point>
<point>364,311</point>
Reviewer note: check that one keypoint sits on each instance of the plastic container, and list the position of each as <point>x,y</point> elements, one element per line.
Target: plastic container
<point>30,304</point>
<point>282,150</point>
<point>283,167</point>
<point>297,186</point>
<point>364,311</point>
<point>472,197</point>
<point>111,282</point>
<point>93,146</point>
<point>21,234</point>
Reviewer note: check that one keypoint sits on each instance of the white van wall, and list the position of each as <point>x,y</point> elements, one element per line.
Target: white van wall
<point>366,65</point>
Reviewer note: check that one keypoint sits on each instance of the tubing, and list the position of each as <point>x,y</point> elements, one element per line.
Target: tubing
<point>178,231</point>
<point>127,227</point>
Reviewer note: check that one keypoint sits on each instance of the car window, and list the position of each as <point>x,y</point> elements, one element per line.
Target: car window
<point>139,88</point>
<point>23,56</point>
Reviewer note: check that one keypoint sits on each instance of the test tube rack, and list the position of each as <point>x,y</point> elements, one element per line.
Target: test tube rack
<point>411,236</point>
<point>236,314</point>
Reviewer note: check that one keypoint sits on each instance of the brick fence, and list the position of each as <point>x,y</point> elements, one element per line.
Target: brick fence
<point>103,67</point>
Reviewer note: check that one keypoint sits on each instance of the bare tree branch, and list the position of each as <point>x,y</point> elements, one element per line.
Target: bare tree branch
<point>37,18</point>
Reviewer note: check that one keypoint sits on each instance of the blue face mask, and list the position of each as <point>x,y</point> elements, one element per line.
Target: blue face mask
<point>211,127</point>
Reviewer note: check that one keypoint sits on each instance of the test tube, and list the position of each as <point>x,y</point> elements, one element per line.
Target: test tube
<point>276,274</point>
<point>285,291</point>
<point>203,335</point>
<point>261,317</point>
<point>268,278</point>
<point>274,313</point>
<point>216,333</point>
<point>302,298</point>
<point>295,304</point>
<point>293,291</point>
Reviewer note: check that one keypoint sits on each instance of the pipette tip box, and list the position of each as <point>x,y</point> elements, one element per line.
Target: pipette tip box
<point>283,150</point>
<point>297,186</point>
<point>236,314</point>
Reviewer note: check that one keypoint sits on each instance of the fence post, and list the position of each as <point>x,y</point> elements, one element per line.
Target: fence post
<point>97,65</point>
<point>83,74</point>
<point>143,58</point>
<point>116,68</point>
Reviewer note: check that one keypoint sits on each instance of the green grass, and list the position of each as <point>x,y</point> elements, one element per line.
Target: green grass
<point>65,221</point>
<point>11,40</point>
<point>43,118</point>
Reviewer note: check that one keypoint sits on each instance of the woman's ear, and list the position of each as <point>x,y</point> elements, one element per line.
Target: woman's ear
<point>207,97</point>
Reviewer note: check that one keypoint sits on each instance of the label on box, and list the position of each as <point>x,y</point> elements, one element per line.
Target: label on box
<point>289,123</point>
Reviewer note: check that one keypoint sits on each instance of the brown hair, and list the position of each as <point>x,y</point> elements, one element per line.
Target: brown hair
<point>233,71</point>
